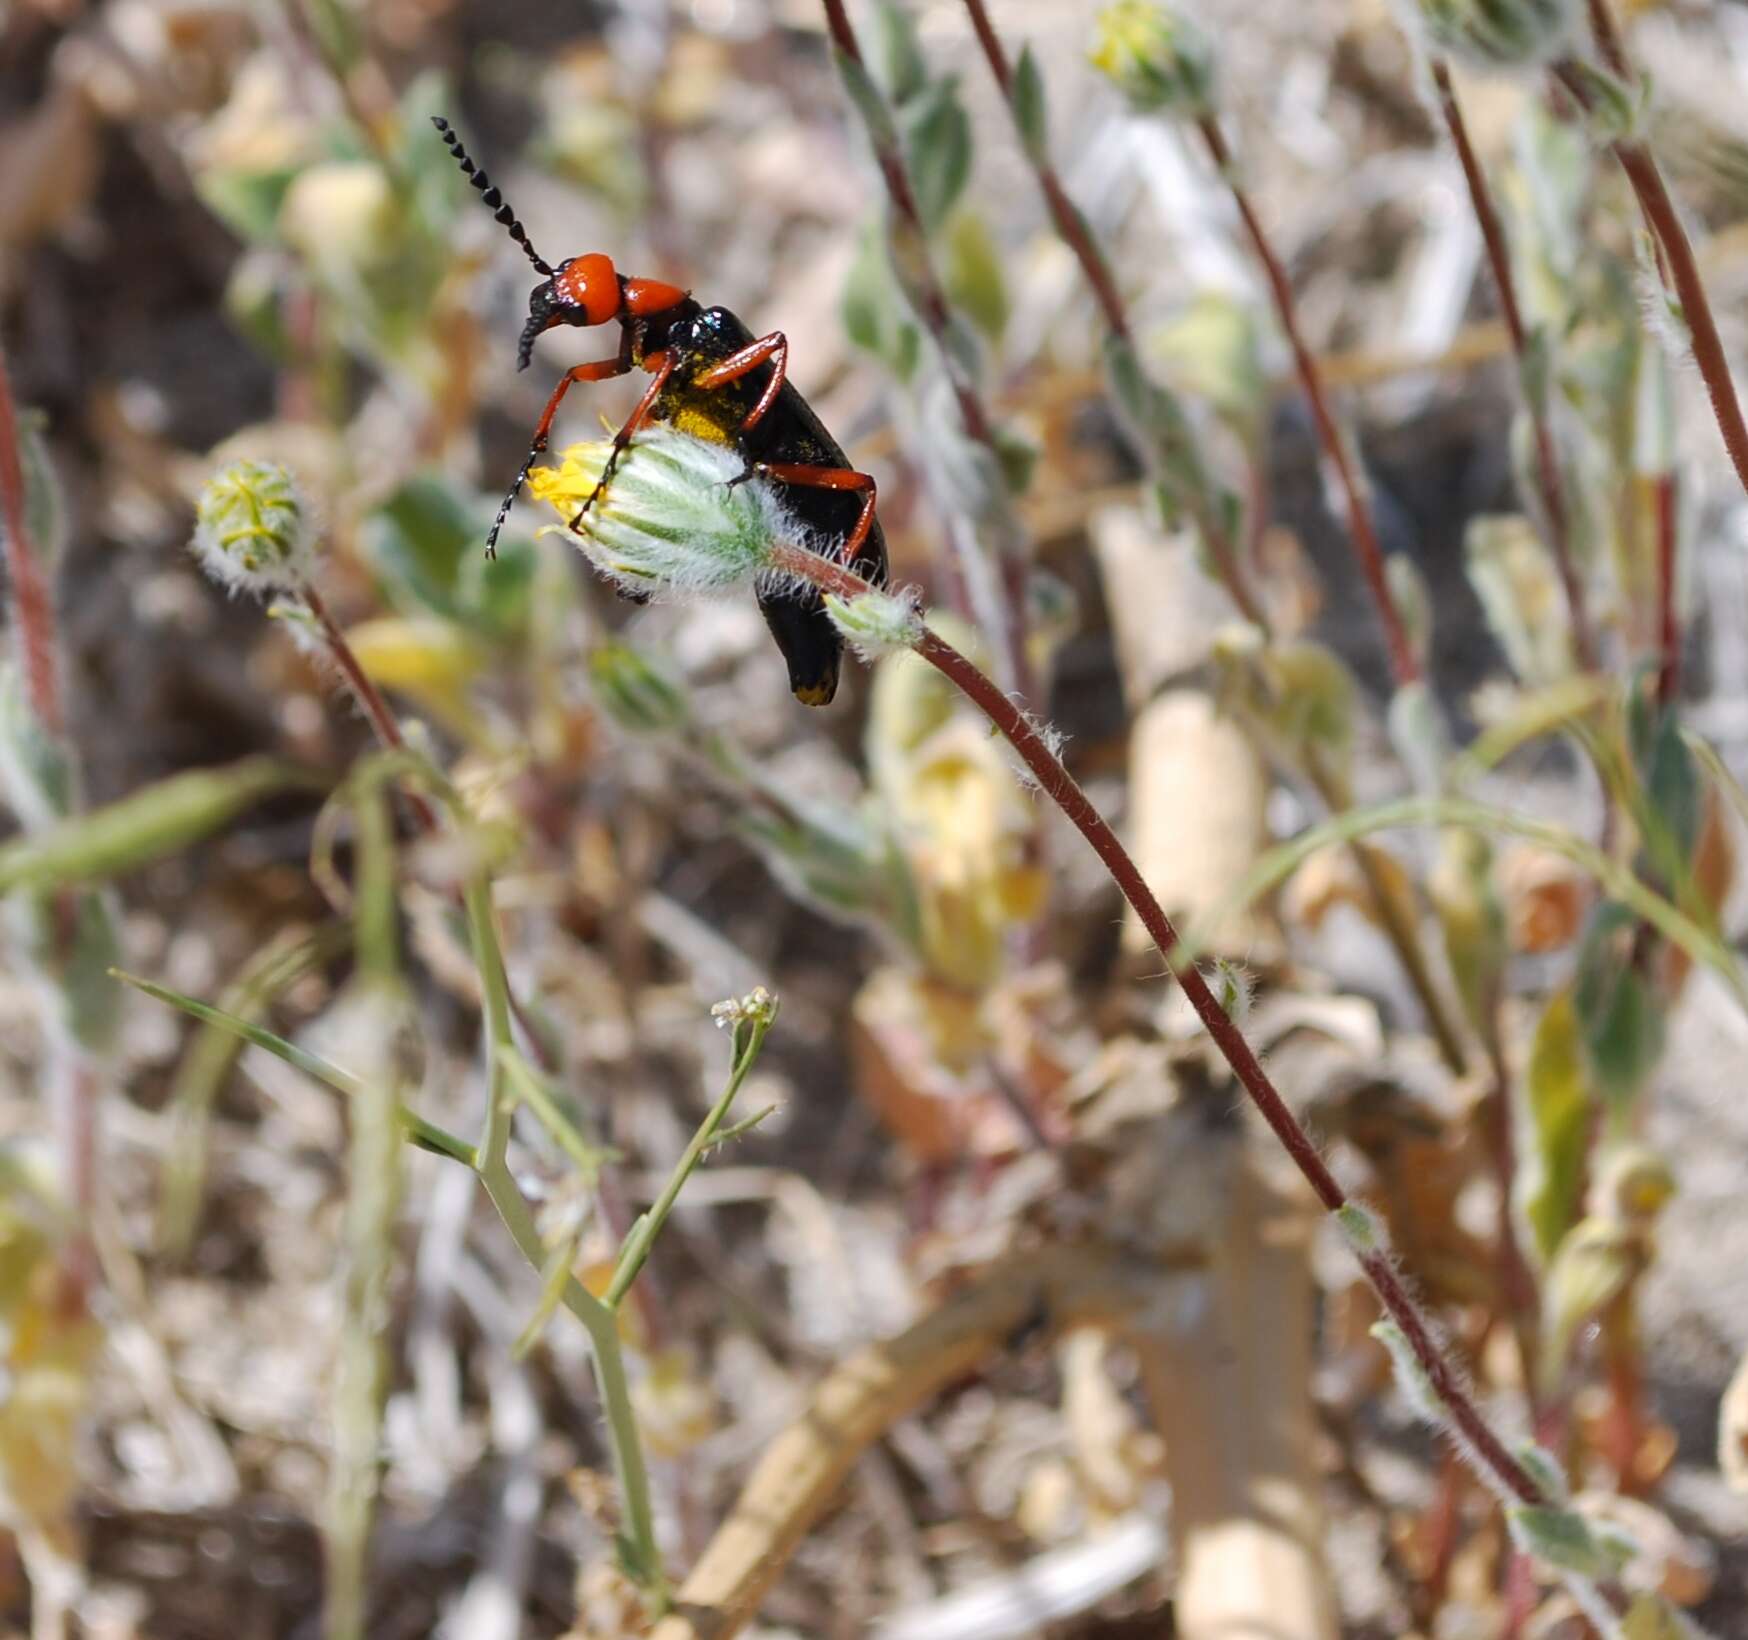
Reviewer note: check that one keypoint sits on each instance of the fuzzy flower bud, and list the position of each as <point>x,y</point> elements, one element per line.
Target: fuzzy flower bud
<point>253,531</point>
<point>668,523</point>
<point>1160,60</point>
<point>877,623</point>
<point>1496,33</point>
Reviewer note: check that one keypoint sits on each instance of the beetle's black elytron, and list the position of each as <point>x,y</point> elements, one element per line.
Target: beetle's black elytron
<point>713,378</point>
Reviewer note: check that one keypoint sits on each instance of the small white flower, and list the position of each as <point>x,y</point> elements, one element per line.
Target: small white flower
<point>253,530</point>
<point>757,1007</point>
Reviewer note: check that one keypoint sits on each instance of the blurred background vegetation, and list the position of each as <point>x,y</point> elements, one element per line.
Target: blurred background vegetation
<point>1456,838</point>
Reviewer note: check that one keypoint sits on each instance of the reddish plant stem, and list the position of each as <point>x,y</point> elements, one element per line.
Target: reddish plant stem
<point>1077,236</point>
<point>1665,497</point>
<point>72,1081</point>
<point>931,302</point>
<point>33,615</point>
<point>376,710</point>
<point>1069,222</point>
<point>1547,463</point>
<point>1608,39</point>
<point>1062,789</point>
<point>1678,264</point>
<point>1361,531</point>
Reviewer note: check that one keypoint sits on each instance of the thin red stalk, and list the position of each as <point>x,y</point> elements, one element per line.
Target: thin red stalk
<point>1547,464</point>
<point>1679,265</point>
<point>1075,234</point>
<point>932,307</point>
<point>1061,788</point>
<point>382,720</point>
<point>33,615</point>
<point>1229,567</point>
<point>1073,230</point>
<point>1663,489</point>
<point>1608,39</point>
<point>74,1088</point>
<point>1069,222</point>
<point>1361,531</point>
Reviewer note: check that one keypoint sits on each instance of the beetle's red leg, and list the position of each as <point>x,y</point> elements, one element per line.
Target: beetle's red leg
<point>774,349</point>
<point>828,478</point>
<point>601,370</point>
<point>661,367</point>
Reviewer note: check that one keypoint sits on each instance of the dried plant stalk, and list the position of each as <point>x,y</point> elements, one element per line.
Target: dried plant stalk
<point>859,1400</point>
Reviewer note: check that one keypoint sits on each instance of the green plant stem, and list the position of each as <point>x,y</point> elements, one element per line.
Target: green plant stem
<point>637,1245</point>
<point>1615,878</point>
<point>602,1326</point>
<point>600,1322</point>
<point>1479,1442</point>
<point>1396,921</point>
<point>204,1065</point>
<point>1547,461</point>
<point>501,1188</point>
<point>1362,534</point>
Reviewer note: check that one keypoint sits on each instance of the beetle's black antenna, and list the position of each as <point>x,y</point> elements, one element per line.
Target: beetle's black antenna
<point>506,217</point>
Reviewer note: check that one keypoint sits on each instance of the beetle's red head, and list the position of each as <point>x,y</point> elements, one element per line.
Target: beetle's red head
<point>588,290</point>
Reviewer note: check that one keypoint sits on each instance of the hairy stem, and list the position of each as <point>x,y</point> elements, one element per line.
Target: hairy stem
<point>1679,265</point>
<point>1487,1450</point>
<point>33,614</point>
<point>1535,403</point>
<point>383,723</point>
<point>1362,533</point>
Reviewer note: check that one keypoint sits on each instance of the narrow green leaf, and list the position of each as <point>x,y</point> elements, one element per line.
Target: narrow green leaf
<point>1618,1011</point>
<point>1618,880</point>
<point>1031,109</point>
<point>897,53</point>
<point>555,1278</point>
<point>203,1067</point>
<point>1533,713</point>
<point>1557,1104</point>
<point>145,826</point>
<point>426,1135</point>
<point>937,151</point>
<point>974,274</point>
<point>869,103</point>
